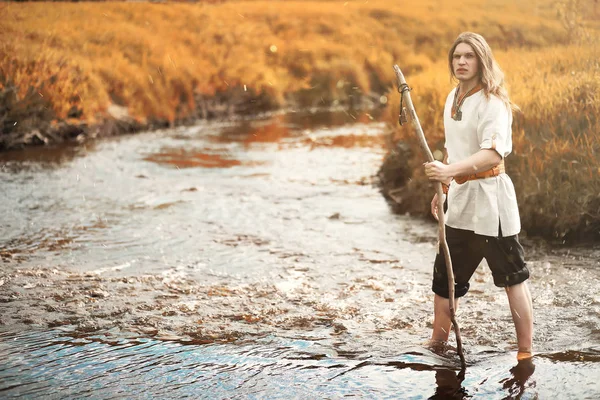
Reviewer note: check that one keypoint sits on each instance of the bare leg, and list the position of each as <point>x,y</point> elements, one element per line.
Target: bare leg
<point>442,324</point>
<point>521,308</point>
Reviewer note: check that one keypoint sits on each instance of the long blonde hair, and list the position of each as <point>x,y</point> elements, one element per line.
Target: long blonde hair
<point>490,74</point>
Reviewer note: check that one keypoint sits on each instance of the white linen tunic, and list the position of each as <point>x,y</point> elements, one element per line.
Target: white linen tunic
<point>481,205</point>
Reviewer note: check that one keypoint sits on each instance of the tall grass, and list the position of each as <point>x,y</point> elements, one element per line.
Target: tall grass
<point>155,58</point>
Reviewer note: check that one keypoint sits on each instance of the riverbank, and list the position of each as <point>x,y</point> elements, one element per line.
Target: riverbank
<point>83,70</point>
<point>65,77</point>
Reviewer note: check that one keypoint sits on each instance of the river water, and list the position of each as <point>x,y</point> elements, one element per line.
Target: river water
<point>257,259</point>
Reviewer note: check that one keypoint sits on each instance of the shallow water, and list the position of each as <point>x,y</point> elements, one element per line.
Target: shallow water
<point>56,365</point>
<point>256,259</point>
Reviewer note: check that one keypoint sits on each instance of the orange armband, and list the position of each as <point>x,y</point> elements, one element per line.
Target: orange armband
<point>445,188</point>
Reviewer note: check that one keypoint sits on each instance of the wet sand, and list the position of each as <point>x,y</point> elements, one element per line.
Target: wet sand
<point>390,304</point>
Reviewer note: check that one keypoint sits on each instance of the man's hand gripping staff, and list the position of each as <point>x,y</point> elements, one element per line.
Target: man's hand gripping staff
<point>406,99</point>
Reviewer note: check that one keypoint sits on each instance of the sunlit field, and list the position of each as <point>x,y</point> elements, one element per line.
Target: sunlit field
<point>155,58</point>
<point>173,62</point>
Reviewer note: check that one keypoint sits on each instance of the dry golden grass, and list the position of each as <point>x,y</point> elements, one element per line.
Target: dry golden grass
<point>158,60</point>
<point>153,58</point>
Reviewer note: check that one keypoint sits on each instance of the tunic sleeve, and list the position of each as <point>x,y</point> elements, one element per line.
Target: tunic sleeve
<point>493,127</point>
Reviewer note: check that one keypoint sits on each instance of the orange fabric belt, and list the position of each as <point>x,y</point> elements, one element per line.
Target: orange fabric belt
<point>495,171</point>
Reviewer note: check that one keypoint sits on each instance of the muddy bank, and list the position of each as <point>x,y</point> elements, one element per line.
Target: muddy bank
<point>29,120</point>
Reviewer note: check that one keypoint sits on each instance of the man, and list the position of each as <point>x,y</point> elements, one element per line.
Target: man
<point>482,219</point>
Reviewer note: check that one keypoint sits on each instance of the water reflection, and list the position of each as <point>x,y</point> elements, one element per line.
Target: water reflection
<point>271,130</point>
<point>278,128</point>
<point>448,386</point>
<point>42,156</point>
<point>520,374</point>
<point>42,364</point>
<point>205,158</point>
<point>320,119</point>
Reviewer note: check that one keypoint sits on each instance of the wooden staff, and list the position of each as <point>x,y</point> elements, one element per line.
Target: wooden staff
<point>405,94</point>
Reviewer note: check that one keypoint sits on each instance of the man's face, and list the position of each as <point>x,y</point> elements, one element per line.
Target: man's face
<point>464,62</point>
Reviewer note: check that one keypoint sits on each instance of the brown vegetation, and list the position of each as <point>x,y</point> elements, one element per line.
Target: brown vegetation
<point>170,62</point>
